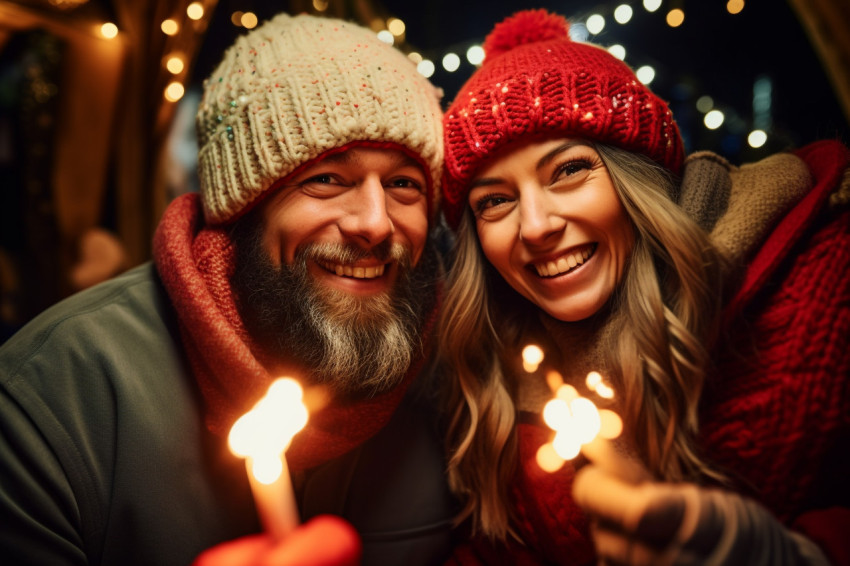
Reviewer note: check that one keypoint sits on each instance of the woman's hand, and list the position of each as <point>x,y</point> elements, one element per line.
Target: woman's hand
<point>653,523</point>
<point>325,540</point>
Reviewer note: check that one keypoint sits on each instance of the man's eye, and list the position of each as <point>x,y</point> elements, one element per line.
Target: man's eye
<point>323,179</point>
<point>404,183</point>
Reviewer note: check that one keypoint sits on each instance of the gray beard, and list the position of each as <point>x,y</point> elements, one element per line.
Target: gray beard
<point>357,346</point>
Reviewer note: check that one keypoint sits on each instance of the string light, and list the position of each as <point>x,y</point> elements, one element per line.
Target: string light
<point>174,65</point>
<point>675,17</point>
<point>734,6</point>
<point>651,5</point>
<point>714,119</point>
<point>451,62</point>
<point>705,103</point>
<point>195,11</point>
<point>109,30</point>
<point>174,92</point>
<point>618,51</point>
<point>396,27</point>
<point>248,20</point>
<point>320,5</point>
<point>426,68</point>
<point>169,27</point>
<point>386,37</point>
<point>623,14</point>
<point>757,138</point>
<point>645,74</point>
<point>475,55</point>
<point>595,24</point>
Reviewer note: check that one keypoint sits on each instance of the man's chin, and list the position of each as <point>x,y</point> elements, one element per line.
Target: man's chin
<point>345,308</point>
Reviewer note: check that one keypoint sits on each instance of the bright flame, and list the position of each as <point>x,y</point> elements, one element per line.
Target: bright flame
<point>567,392</point>
<point>586,418</point>
<point>267,469</point>
<point>575,419</point>
<point>556,414</point>
<point>610,424</point>
<point>548,458</point>
<point>264,433</point>
<point>532,355</point>
<point>554,379</point>
<point>566,445</point>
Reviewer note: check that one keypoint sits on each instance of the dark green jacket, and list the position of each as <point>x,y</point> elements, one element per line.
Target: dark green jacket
<point>104,458</point>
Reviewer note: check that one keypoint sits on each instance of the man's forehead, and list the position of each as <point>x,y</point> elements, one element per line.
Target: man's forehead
<point>358,156</point>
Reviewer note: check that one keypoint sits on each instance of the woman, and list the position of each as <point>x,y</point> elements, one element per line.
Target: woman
<point>580,228</point>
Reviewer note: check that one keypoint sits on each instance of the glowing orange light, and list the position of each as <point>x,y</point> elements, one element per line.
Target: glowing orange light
<point>169,27</point>
<point>261,436</point>
<point>675,18</point>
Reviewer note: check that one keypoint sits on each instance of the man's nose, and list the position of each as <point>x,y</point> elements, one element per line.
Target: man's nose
<point>367,221</point>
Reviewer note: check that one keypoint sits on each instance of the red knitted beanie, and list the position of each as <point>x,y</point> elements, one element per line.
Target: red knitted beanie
<point>536,81</point>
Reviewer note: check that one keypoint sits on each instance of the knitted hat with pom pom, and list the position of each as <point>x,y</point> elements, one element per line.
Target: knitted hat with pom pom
<point>536,81</point>
<point>296,87</point>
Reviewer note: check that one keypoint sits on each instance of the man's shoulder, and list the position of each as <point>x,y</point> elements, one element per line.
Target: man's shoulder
<point>125,313</point>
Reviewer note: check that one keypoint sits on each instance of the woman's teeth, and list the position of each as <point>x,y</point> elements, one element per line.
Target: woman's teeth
<point>564,263</point>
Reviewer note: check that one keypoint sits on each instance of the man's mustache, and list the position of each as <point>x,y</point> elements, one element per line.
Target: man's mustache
<point>345,253</point>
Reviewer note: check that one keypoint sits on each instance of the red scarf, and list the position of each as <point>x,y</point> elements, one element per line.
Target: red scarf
<point>195,264</point>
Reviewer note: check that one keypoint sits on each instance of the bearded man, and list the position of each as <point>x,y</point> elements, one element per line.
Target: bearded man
<point>308,253</point>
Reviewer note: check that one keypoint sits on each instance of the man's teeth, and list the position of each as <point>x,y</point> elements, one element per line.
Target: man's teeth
<point>563,263</point>
<point>357,272</point>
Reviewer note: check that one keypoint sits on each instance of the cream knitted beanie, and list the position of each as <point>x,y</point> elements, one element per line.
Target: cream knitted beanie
<point>296,87</point>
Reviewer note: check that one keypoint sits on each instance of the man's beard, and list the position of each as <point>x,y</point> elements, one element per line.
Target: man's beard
<point>359,346</point>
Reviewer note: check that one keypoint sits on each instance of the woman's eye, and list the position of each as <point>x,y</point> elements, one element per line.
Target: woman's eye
<point>490,206</point>
<point>571,168</point>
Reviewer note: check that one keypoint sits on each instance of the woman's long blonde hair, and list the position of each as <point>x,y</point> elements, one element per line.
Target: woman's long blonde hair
<point>666,311</point>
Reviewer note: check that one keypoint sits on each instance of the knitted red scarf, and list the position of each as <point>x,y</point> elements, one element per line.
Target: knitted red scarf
<point>195,264</point>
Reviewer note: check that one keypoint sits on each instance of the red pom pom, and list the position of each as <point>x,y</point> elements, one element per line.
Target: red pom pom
<point>528,26</point>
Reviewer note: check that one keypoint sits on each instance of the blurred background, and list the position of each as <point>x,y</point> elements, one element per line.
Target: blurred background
<point>97,100</point>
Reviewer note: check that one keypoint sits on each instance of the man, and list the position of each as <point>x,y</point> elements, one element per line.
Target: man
<point>306,254</point>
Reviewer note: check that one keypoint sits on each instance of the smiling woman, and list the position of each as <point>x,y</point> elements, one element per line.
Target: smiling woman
<point>583,229</point>
<point>550,221</point>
